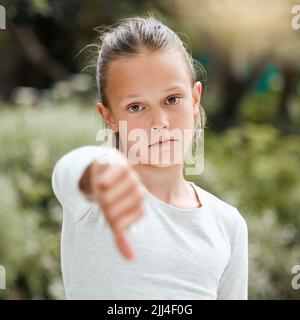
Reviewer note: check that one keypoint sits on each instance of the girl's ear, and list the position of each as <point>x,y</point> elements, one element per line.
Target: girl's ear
<point>197,90</point>
<point>107,116</point>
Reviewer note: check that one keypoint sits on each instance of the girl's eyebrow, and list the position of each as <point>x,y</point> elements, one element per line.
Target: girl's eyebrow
<point>136,96</point>
<point>176,87</point>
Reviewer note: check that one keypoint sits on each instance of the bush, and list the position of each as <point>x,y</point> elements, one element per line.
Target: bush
<point>256,169</point>
<point>31,142</point>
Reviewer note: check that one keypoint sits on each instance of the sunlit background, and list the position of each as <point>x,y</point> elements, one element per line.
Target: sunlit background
<point>251,53</point>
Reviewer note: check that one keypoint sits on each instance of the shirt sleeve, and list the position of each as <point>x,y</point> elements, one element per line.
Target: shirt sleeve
<point>67,173</point>
<point>234,281</point>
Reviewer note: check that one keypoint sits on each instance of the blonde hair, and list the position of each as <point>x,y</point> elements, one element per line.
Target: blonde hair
<point>128,38</point>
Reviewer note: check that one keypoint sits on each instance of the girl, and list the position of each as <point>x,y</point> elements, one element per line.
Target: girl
<point>179,241</point>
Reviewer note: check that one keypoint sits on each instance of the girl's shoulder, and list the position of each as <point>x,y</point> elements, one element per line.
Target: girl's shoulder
<point>222,211</point>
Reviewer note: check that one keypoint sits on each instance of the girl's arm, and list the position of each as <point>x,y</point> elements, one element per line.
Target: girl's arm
<point>67,173</point>
<point>234,282</point>
<point>100,175</point>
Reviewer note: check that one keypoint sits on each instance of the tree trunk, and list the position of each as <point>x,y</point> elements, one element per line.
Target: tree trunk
<point>37,54</point>
<point>233,88</point>
<point>289,75</point>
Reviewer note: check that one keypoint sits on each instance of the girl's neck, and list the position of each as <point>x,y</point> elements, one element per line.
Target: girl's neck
<point>168,184</point>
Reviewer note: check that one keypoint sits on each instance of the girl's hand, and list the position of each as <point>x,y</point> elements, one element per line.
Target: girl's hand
<point>117,188</point>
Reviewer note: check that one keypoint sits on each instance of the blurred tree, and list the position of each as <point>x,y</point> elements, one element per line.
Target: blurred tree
<point>43,37</point>
<point>37,43</point>
<point>241,38</point>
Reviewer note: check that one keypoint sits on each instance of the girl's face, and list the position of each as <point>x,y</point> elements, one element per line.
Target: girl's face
<point>153,94</point>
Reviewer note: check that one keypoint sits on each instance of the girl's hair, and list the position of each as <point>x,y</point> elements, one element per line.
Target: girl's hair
<point>130,37</point>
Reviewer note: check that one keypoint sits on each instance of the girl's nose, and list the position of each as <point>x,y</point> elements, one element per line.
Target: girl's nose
<point>159,120</point>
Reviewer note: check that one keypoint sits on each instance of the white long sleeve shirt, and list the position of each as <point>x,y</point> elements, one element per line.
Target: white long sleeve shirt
<point>199,253</point>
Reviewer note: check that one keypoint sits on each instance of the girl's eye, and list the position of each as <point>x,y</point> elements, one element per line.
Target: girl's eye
<point>135,108</point>
<point>173,100</point>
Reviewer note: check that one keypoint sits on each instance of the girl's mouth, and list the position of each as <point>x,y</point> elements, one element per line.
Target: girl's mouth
<point>162,142</point>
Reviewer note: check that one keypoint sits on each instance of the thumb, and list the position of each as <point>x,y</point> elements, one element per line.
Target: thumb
<point>124,246</point>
